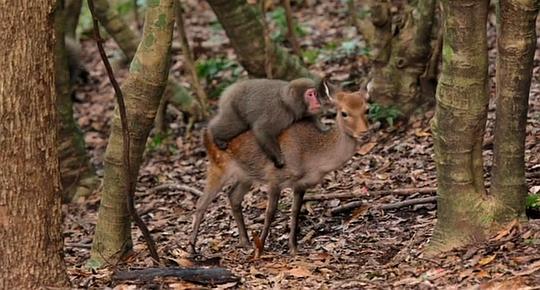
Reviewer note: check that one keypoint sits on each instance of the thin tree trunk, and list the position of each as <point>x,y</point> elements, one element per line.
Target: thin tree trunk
<point>399,60</point>
<point>128,41</point>
<point>189,62</point>
<point>143,90</point>
<point>516,44</point>
<point>126,38</point>
<point>464,210</point>
<point>73,11</point>
<point>78,176</point>
<point>30,200</point>
<point>242,23</point>
<point>291,33</point>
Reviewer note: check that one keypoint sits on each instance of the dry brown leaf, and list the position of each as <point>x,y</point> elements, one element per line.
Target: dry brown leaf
<point>486,260</point>
<point>506,230</point>
<point>364,149</point>
<point>299,272</point>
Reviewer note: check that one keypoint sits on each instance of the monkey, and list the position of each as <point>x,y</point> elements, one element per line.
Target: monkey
<point>267,107</point>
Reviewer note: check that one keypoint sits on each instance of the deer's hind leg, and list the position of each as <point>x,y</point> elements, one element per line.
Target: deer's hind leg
<point>236,196</point>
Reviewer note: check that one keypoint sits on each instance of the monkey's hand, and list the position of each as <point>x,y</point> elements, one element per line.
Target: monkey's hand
<point>322,127</point>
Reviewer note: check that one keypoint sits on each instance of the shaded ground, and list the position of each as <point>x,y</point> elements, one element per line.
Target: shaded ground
<point>363,248</point>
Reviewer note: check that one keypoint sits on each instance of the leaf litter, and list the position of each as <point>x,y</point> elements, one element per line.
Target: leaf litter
<point>366,248</point>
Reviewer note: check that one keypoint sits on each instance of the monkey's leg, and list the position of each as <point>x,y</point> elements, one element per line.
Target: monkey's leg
<point>236,196</point>
<point>298,200</point>
<point>214,184</point>
<point>268,142</point>
<point>271,207</point>
<point>225,127</point>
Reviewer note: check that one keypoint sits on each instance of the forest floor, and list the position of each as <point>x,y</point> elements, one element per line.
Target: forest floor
<point>365,248</point>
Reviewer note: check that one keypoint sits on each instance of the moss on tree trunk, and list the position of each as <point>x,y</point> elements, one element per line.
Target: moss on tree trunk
<point>31,255</point>
<point>242,23</point>
<point>142,90</point>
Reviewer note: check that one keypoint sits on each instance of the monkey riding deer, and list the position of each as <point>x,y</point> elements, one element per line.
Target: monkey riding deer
<point>267,107</point>
<point>309,154</point>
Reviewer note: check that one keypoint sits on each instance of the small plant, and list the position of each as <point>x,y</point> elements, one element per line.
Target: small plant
<point>222,69</point>
<point>533,202</point>
<point>381,113</point>
<point>310,56</point>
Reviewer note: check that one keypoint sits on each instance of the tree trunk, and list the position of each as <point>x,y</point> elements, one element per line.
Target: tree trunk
<point>516,44</point>
<point>122,34</point>
<point>464,212</point>
<point>399,60</point>
<point>128,41</point>
<point>30,202</point>
<point>78,176</point>
<point>73,11</point>
<point>142,90</point>
<point>242,23</point>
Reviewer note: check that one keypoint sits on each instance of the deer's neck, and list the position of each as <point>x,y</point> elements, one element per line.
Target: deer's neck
<point>338,148</point>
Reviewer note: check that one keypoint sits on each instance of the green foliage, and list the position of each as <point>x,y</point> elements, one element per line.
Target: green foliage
<point>380,113</point>
<point>218,70</point>
<point>310,55</point>
<point>125,7</point>
<point>533,202</point>
<point>333,51</point>
<point>161,141</point>
<point>279,18</point>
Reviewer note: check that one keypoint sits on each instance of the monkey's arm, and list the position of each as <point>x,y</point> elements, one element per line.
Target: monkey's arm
<point>267,140</point>
<point>316,119</point>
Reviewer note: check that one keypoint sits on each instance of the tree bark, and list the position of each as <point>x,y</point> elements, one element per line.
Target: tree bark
<point>30,200</point>
<point>242,23</point>
<point>516,44</point>
<point>78,176</point>
<point>142,90</point>
<point>399,60</point>
<point>464,210</point>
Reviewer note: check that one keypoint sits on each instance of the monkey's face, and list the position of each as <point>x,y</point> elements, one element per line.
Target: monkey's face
<point>312,101</point>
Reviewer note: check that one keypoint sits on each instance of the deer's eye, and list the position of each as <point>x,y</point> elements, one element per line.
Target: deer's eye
<point>344,114</point>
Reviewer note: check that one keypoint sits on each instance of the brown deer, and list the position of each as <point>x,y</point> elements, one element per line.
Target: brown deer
<point>309,154</point>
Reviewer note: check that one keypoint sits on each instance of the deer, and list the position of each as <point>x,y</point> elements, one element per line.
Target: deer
<point>309,155</point>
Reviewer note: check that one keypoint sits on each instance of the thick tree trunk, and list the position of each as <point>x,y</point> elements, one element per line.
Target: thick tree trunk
<point>30,200</point>
<point>464,210</point>
<point>516,44</point>
<point>242,23</point>
<point>78,176</point>
<point>399,60</point>
<point>142,90</point>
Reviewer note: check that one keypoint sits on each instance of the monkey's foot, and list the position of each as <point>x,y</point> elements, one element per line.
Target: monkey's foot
<point>279,163</point>
<point>221,144</point>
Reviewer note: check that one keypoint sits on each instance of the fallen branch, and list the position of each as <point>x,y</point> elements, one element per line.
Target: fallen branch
<point>126,164</point>
<point>348,195</point>
<point>204,276</point>
<point>355,204</point>
<point>172,186</point>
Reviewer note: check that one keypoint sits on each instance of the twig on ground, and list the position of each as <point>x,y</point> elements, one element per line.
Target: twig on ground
<point>197,275</point>
<point>172,186</point>
<point>355,204</point>
<point>129,180</point>
<point>348,195</point>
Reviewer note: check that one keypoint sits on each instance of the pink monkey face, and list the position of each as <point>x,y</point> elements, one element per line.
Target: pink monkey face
<point>310,96</point>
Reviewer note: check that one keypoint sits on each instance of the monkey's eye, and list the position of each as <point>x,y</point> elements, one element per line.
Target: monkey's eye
<point>344,114</point>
